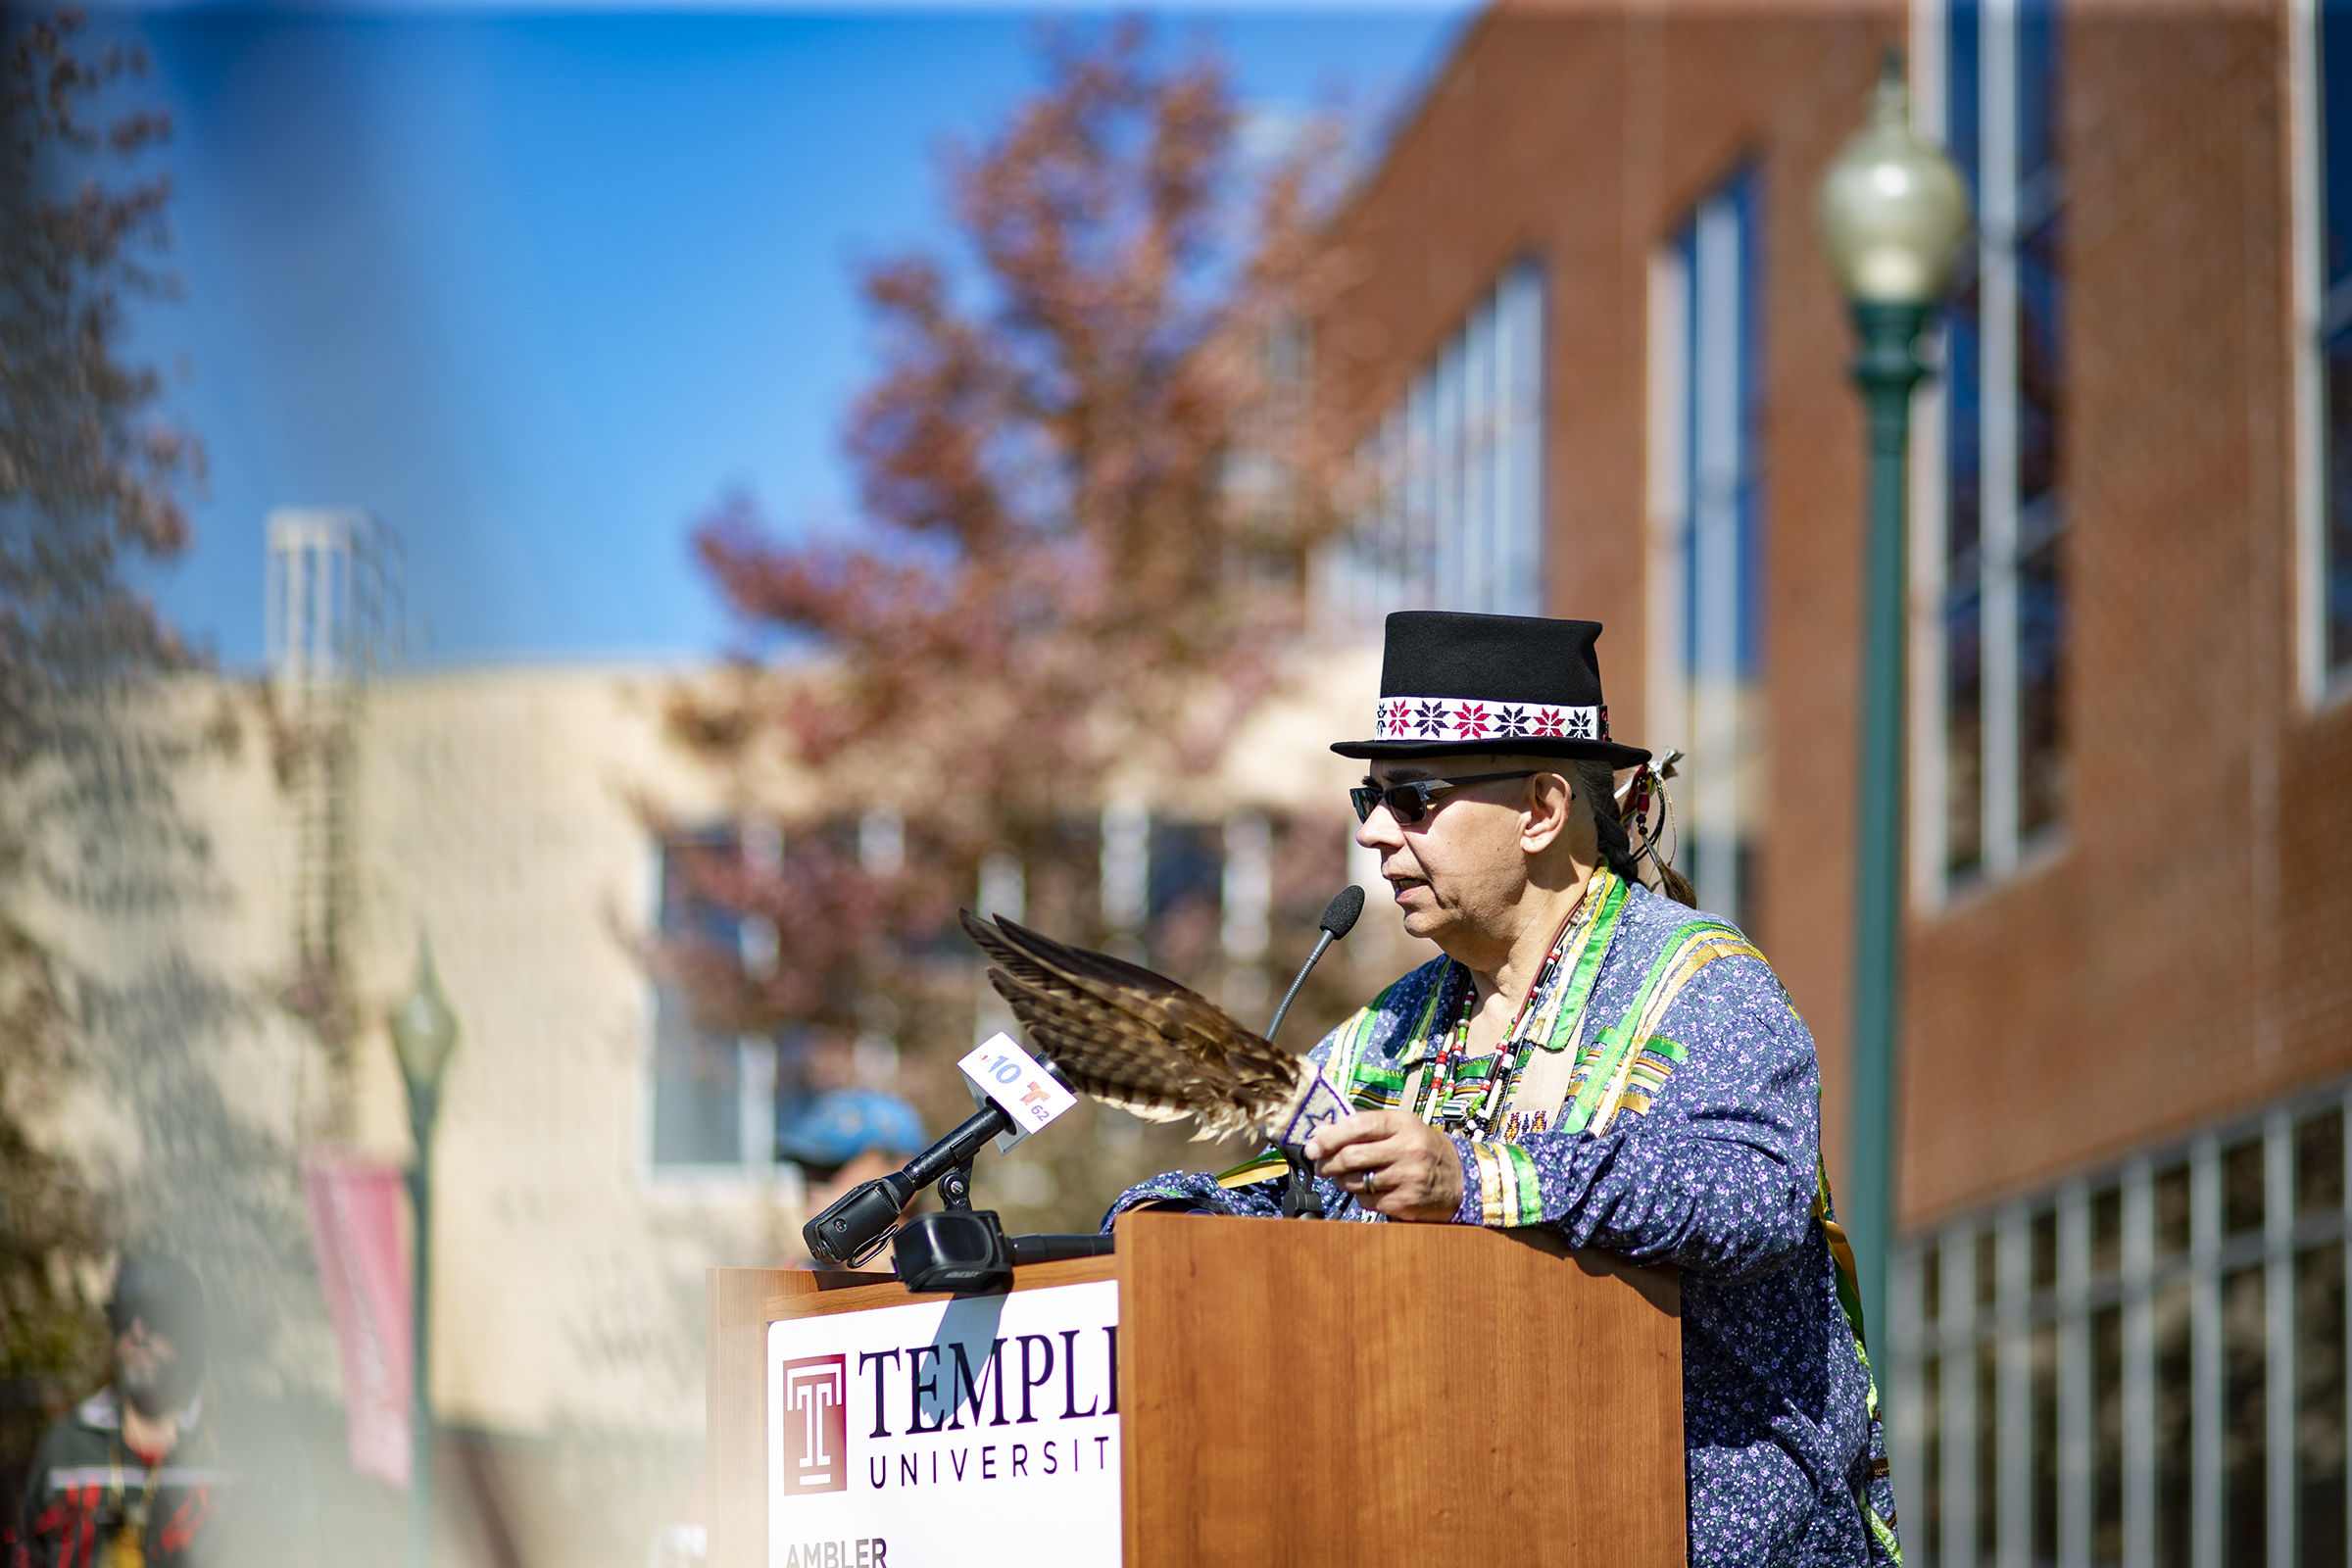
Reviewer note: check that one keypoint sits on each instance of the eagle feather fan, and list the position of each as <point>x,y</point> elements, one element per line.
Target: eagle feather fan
<point>1136,1039</point>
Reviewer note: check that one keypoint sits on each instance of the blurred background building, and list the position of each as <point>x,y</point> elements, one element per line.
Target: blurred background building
<point>600,1142</point>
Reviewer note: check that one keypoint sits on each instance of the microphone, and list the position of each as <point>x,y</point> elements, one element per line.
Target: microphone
<point>1299,1200</point>
<point>857,1224</point>
<point>854,1228</point>
<point>1339,918</point>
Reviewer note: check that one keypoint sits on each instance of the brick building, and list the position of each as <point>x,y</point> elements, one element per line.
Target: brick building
<point>1598,364</point>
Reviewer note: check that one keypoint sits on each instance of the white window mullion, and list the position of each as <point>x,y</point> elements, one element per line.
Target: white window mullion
<point>756,1105</point>
<point>1355,554</point>
<point>1928,512</point>
<point>1998,381</point>
<point>1503,438</point>
<point>760,841</point>
<point>2139,1365</point>
<point>1421,461</point>
<point>2014,1421</point>
<point>1960,1546</point>
<point>1903,1345</point>
<point>1359,581</point>
<point>2279,1334</point>
<point>1247,891</point>
<point>2310,477</point>
<point>2346,1460</point>
<point>1525,286</point>
<point>1451,524</point>
<point>2205,1356</point>
<point>1669,391</point>
<point>1929,847</point>
<point>1715,547</point>
<point>1397,542</point>
<point>1123,869</point>
<point>1437,482</point>
<point>2074,1377</point>
<point>1004,889</point>
<point>1474,443</point>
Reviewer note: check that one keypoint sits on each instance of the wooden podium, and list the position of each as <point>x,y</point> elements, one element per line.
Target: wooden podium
<point>1321,1393</point>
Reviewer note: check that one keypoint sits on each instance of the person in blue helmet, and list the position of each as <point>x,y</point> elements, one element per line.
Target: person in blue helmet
<point>132,1474</point>
<point>848,1135</point>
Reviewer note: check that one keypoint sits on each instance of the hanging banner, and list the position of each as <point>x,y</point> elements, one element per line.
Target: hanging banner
<point>355,1235</point>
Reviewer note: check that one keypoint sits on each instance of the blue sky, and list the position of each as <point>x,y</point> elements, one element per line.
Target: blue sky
<point>537,290</point>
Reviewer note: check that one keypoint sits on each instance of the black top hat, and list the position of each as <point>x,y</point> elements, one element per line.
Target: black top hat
<point>1451,683</point>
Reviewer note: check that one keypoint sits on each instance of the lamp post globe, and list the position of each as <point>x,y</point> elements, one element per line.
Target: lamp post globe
<point>1894,216</point>
<point>423,1030</point>
<point>1893,210</point>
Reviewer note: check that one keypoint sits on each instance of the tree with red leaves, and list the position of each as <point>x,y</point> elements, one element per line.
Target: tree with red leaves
<point>90,481</point>
<point>1087,481</point>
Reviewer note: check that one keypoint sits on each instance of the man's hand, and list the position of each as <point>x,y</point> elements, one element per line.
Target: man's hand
<point>1413,1170</point>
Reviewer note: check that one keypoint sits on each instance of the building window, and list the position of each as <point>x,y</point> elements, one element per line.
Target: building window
<point>1454,513</point>
<point>714,1091</point>
<point>2000,648</point>
<point>2146,1366</point>
<point>2327,566</point>
<point>1706,548</point>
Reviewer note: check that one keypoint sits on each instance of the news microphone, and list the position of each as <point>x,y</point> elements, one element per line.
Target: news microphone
<point>854,1228</point>
<point>1299,1200</point>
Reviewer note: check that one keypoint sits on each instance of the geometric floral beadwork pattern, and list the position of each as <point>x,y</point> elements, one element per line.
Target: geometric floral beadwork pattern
<point>1461,718</point>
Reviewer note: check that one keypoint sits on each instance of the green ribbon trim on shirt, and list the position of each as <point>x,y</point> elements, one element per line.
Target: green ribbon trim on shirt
<point>1592,947</point>
<point>1605,1068</point>
<point>1385,1085</point>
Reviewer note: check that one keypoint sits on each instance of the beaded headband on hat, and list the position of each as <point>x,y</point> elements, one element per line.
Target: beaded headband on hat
<point>1463,718</point>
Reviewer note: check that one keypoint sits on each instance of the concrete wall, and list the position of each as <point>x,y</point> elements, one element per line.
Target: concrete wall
<point>503,814</point>
<point>498,813</point>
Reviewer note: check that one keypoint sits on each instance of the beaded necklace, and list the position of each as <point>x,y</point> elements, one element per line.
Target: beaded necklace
<point>1467,1095</point>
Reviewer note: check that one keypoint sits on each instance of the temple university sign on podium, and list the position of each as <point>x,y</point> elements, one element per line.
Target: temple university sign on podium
<point>978,1431</point>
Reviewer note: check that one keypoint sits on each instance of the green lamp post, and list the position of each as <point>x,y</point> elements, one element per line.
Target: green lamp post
<point>1893,213</point>
<point>423,1034</point>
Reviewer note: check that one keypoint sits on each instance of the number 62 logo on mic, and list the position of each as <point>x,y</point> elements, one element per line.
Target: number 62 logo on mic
<point>1002,1072</point>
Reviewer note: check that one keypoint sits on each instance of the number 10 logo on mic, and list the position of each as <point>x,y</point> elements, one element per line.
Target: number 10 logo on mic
<point>998,1069</point>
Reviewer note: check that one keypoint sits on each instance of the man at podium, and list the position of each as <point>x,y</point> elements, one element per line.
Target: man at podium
<point>1590,1056</point>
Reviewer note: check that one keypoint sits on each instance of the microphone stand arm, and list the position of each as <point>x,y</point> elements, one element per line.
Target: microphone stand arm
<point>1299,1200</point>
<point>1322,941</point>
<point>957,1150</point>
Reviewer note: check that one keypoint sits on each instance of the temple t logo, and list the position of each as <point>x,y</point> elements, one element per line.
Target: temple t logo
<point>815,1425</point>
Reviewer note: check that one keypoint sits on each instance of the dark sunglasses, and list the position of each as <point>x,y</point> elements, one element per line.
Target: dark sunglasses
<point>1409,803</point>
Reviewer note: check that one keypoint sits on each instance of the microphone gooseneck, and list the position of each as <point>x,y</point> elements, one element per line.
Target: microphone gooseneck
<point>1299,1200</point>
<point>1339,918</point>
